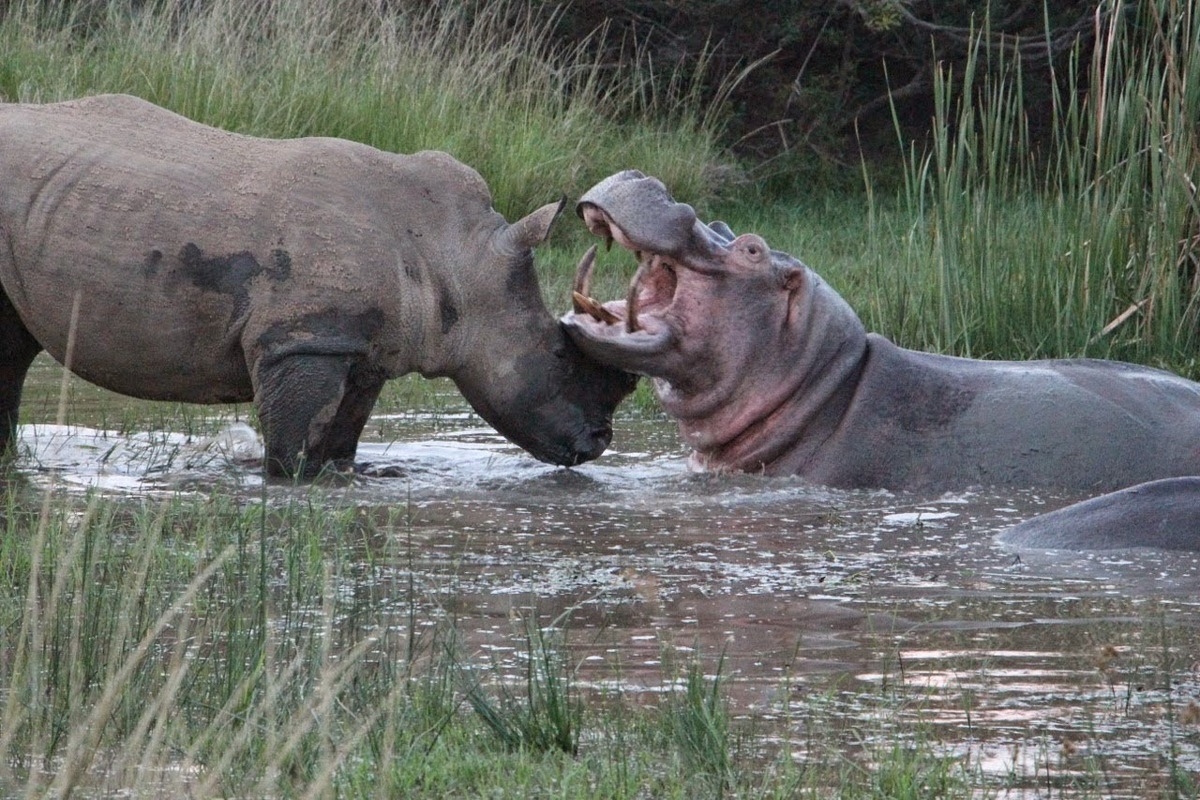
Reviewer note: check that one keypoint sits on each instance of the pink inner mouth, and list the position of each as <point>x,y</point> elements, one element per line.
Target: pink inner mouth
<point>651,292</point>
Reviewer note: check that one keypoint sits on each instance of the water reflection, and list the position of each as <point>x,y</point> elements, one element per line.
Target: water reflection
<point>822,602</point>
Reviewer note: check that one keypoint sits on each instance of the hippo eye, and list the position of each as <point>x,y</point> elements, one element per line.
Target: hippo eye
<point>752,247</point>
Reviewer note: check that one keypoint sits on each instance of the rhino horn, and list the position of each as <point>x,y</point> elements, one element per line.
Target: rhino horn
<point>530,230</point>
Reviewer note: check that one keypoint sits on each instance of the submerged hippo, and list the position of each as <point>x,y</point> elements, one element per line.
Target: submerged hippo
<point>766,368</point>
<point>167,260</point>
<point>1163,514</point>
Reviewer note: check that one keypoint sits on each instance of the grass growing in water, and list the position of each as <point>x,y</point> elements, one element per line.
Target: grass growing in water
<point>216,649</point>
<point>546,712</point>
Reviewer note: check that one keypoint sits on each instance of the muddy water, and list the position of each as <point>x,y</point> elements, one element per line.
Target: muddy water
<point>834,611</point>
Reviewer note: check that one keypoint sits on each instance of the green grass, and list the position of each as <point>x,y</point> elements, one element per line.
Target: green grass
<point>1016,252</point>
<point>209,646</point>
<point>199,645</point>
<point>991,248</point>
<point>213,647</point>
<point>1085,245</point>
<point>475,80</point>
<point>543,712</point>
<point>996,248</point>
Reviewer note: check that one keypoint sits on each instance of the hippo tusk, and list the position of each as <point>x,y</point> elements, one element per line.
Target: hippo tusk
<point>598,223</point>
<point>581,295</point>
<point>586,305</point>
<point>583,273</point>
<point>631,323</point>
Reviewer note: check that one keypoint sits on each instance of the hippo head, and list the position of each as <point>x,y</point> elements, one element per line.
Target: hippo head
<point>728,328</point>
<point>517,367</point>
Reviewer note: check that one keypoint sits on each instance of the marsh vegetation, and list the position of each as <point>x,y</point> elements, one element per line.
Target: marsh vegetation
<point>228,638</point>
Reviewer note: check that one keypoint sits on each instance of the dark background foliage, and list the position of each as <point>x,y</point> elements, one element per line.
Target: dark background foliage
<point>823,83</point>
<point>829,73</point>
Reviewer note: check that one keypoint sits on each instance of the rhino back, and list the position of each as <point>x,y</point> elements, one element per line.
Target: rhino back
<point>187,245</point>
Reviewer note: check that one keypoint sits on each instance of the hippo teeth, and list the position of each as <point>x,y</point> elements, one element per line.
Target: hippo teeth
<point>580,296</point>
<point>586,305</point>
<point>599,223</point>
<point>631,300</point>
<point>583,273</point>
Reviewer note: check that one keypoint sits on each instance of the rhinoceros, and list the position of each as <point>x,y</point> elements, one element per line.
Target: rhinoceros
<point>164,259</point>
<point>767,369</point>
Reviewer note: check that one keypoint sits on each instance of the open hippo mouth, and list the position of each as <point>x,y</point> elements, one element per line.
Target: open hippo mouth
<point>671,246</point>
<point>642,320</point>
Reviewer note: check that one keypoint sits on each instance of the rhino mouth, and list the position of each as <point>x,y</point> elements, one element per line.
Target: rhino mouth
<point>640,322</point>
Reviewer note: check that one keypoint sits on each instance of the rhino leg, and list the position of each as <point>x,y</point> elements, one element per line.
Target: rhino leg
<point>17,351</point>
<point>341,435</point>
<point>313,408</point>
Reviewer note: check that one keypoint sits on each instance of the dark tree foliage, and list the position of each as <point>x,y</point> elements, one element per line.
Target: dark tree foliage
<point>829,78</point>
<point>829,73</point>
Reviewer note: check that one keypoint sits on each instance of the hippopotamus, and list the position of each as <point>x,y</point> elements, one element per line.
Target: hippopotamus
<point>1162,514</point>
<point>767,369</point>
<point>167,260</point>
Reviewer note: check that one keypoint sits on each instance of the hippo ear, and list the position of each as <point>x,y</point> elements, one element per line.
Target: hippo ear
<point>529,231</point>
<point>790,277</point>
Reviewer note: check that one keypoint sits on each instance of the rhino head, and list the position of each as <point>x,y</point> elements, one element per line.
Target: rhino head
<point>517,367</point>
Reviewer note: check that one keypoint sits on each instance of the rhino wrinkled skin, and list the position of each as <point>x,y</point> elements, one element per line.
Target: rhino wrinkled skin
<point>191,264</point>
<point>766,369</point>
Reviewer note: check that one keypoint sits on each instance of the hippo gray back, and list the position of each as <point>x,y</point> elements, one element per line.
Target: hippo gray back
<point>767,369</point>
<point>1163,514</point>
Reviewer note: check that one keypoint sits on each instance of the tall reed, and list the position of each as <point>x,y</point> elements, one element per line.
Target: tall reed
<point>1088,246</point>
<point>480,80</point>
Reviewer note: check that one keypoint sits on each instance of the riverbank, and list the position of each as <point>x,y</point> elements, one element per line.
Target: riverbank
<point>976,245</point>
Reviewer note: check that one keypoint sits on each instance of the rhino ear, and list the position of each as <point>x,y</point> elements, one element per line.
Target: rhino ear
<point>530,230</point>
